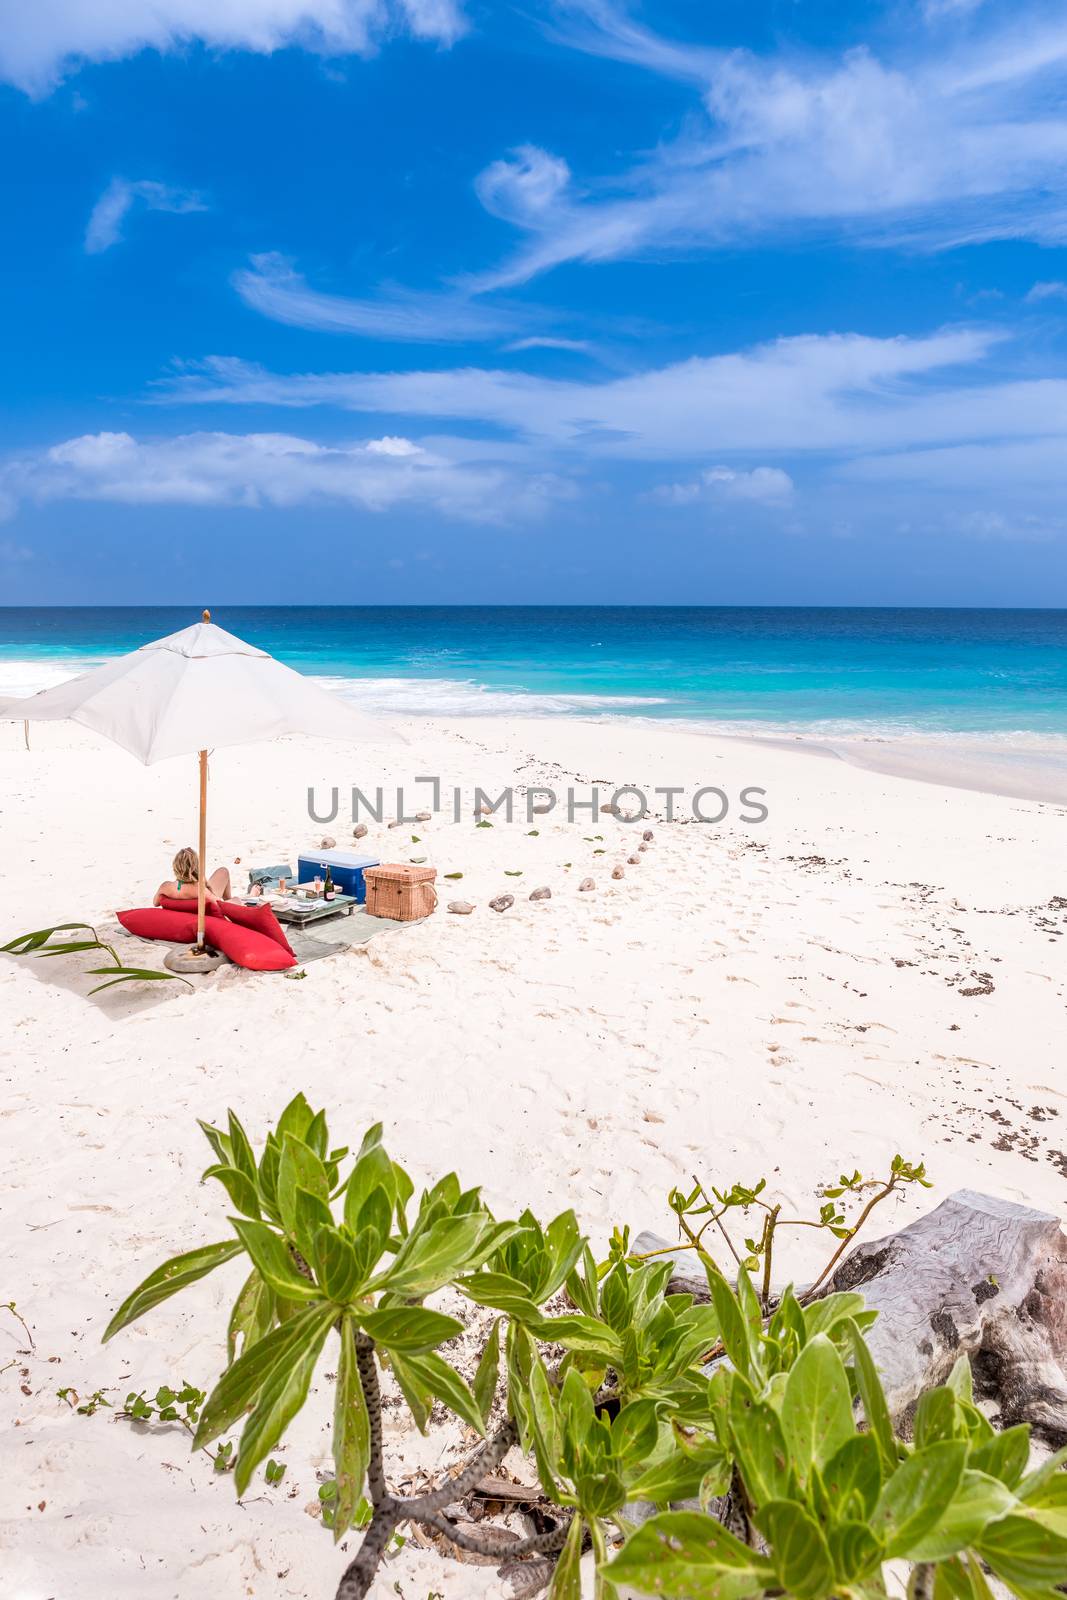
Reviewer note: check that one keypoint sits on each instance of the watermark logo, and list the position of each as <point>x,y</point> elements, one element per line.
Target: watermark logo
<point>674,802</point>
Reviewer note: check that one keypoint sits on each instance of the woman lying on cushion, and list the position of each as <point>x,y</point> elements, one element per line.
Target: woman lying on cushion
<point>186,869</point>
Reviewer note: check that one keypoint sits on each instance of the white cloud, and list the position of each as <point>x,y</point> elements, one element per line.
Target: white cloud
<point>272,469</point>
<point>955,138</point>
<point>546,342</point>
<point>272,286</point>
<point>41,42</point>
<point>764,485</point>
<point>118,199</point>
<point>844,393</point>
<point>1047,291</point>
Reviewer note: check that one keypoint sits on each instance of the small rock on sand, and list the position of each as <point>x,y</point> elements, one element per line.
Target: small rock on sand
<point>618,872</point>
<point>502,902</point>
<point>460,908</point>
<point>586,884</point>
<point>359,831</point>
<point>633,861</point>
<point>648,836</point>
<point>541,808</point>
<point>397,822</point>
<point>541,894</point>
<point>327,843</point>
<point>423,816</point>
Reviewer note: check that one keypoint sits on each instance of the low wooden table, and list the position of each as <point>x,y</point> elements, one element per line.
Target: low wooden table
<point>299,912</point>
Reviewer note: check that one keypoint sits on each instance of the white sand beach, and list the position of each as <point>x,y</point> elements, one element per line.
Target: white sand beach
<point>877,967</point>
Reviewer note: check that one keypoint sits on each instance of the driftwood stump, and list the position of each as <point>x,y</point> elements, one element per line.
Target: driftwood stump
<point>977,1276</point>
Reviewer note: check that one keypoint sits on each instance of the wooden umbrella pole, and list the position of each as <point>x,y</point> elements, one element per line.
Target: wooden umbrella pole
<point>201,894</point>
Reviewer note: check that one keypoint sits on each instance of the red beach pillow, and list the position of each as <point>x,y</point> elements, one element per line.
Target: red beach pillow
<point>150,922</point>
<point>255,951</point>
<point>259,918</point>
<point>188,903</point>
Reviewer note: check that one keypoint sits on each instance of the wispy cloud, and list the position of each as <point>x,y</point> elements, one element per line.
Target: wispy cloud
<point>959,136</point>
<point>272,469</point>
<point>816,393</point>
<point>272,286</point>
<point>769,486</point>
<point>42,43</point>
<point>1055,290</point>
<point>540,341</point>
<point>120,197</point>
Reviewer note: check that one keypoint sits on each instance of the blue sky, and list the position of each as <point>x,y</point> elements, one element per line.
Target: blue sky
<point>440,300</point>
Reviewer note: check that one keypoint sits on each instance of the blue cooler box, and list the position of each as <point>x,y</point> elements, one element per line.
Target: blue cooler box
<point>346,870</point>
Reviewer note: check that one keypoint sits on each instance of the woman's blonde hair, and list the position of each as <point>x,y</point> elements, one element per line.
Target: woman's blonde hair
<point>186,866</point>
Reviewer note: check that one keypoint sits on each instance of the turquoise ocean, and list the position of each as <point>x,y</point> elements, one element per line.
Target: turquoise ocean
<point>819,672</point>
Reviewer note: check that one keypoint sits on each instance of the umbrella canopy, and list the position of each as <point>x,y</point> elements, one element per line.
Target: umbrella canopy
<point>194,691</point>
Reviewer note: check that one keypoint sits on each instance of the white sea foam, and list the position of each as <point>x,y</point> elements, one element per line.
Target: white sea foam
<point>23,676</point>
<point>464,697</point>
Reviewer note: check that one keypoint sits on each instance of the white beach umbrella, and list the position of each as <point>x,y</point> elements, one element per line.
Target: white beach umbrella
<point>192,692</point>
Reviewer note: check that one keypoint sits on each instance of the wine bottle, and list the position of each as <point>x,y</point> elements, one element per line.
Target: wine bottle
<point>327,887</point>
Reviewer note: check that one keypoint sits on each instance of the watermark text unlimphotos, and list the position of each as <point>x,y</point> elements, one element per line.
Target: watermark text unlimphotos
<point>673,802</point>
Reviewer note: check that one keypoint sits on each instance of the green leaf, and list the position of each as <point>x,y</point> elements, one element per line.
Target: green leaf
<point>351,1432</point>
<point>271,1255</point>
<point>280,1397</point>
<point>873,1398</point>
<point>913,1500</point>
<point>635,1431</point>
<point>979,1501</point>
<point>448,1247</point>
<point>414,1388</point>
<point>444,1383</point>
<point>502,1293</point>
<point>817,1408</point>
<point>798,1549</point>
<point>1005,1456</point>
<point>299,1168</point>
<point>409,1329</point>
<point>829,1312</point>
<point>336,1265</point>
<point>683,1476</point>
<point>852,1478</point>
<point>733,1328</point>
<point>373,1171</point>
<point>252,1315</point>
<point>682,1555</point>
<point>240,1385</point>
<point>295,1119</point>
<point>24,943</point>
<point>1024,1553</point>
<point>241,1190</point>
<point>960,1380</point>
<point>854,1550</point>
<point>935,1417</point>
<point>586,1334</point>
<point>487,1374</point>
<point>168,1279</point>
<point>310,1215</point>
<point>759,1441</point>
<point>240,1149</point>
<point>566,1578</point>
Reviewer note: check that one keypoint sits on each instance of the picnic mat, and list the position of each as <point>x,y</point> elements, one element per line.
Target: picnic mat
<point>340,933</point>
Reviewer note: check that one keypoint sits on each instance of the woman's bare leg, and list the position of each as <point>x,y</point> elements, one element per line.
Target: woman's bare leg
<point>219,883</point>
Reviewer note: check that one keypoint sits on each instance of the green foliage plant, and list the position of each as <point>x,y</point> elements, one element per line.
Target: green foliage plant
<point>39,944</point>
<point>700,1451</point>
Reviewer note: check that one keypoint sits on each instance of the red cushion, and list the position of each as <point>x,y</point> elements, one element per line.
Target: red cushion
<point>150,922</point>
<point>260,918</point>
<point>248,948</point>
<point>187,902</point>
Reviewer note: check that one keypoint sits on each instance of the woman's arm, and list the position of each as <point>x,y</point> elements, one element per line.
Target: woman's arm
<point>166,891</point>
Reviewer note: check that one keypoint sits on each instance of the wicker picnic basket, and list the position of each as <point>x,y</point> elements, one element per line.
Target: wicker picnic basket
<point>404,893</point>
